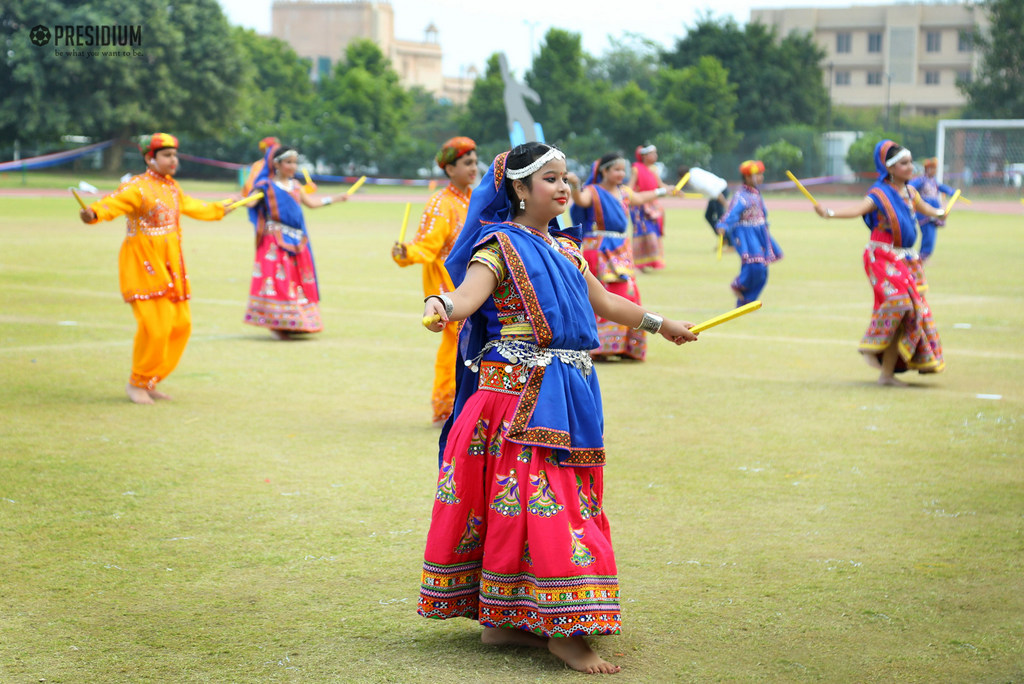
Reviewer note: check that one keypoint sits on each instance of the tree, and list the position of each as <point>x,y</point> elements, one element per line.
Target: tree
<point>568,102</point>
<point>997,92</point>
<point>363,109</point>
<point>484,119</point>
<point>700,102</point>
<point>183,78</point>
<point>633,58</point>
<point>778,81</point>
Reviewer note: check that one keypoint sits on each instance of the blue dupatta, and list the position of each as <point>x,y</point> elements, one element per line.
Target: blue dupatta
<point>560,407</point>
<point>902,221</point>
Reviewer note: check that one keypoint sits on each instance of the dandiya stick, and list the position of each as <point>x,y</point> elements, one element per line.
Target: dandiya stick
<point>800,186</point>
<point>245,200</point>
<point>952,201</point>
<point>405,222</point>
<point>431,320</point>
<point>727,316</point>
<point>308,187</point>
<point>682,181</point>
<point>358,184</point>
<point>77,197</point>
<point>721,239</point>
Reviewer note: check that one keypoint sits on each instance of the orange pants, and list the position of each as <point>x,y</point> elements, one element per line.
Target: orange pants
<point>443,399</point>
<point>164,329</point>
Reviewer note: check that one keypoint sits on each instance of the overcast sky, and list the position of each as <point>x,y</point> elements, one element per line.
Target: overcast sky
<point>470,32</point>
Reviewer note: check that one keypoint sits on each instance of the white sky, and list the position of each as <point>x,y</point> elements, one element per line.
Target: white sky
<point>469,32</point>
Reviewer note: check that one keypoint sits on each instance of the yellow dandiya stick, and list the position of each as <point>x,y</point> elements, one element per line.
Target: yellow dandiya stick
<point>693,195</point>
<point>800,186</point>
<point>405,222</point>
<point>77,197</point>
<point>245,200</point>
<point>682,181</point>
<point>431,320</point>
<point>952,201</point>
<point>358,184</point>
<point>721,239</point>
<point>965,200</point>
<point>308,187</point>
<point>727,316</point>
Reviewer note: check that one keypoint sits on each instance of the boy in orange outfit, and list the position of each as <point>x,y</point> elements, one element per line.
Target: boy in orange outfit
<point>440,226</point>
<point>151,264</point>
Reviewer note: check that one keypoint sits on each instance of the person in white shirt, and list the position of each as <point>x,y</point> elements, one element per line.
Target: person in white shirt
<point>714,188</point>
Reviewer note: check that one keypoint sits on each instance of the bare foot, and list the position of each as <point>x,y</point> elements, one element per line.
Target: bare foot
<point>496,636</point>
<point>138,395</point>
<point>157,394</point>
<point>281,334</point>
<point>578,655</point>
<point>890,381</point>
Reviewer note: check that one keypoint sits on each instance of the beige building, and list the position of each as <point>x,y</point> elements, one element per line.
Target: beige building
<point>321,30</point>
<point>907,56</point>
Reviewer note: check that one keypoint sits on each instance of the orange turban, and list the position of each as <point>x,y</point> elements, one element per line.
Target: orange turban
<point>931,163</point>
<point>157,142</point>
<point>751,166</point>
<point>453,149</point>
<point>268,142</point>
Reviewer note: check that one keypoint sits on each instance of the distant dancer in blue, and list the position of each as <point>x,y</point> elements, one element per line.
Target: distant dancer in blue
<point>929,189</point>
<point>746,225</point>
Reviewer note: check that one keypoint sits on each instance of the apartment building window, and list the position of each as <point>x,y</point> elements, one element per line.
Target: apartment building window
<point>931,78</point>
<point>842,78</point>
<point>933,41</point>
<point>875,78</point>
<point>843,42</point>
<point>965,42</point>
<point>964,76</point>
<point>323,67</point>
<point>874,42</point>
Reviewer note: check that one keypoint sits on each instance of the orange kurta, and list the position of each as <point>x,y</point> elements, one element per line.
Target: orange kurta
<point>152,268</point>
<point>439,228</point>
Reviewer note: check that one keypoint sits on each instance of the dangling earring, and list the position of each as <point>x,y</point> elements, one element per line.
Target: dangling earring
<point>522,204</point>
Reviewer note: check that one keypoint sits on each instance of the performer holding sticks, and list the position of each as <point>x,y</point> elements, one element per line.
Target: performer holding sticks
<point>439,228</point>
<point>929,189</point>
<point>283,295</point>
<point>715,188</point>
<point>151,263</point>
<point>746,226</point>
<point>602,207</point>
<point>648,218</point>
<point>519,538</point>
<point>902,334</point>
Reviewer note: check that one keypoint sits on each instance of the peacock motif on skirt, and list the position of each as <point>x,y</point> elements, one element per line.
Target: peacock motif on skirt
<point>506,501</point>
<point>446,486</point>
<point>542,501</point>
<point>471,537</point>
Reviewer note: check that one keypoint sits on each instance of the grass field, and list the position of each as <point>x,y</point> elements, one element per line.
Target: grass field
<point>777,516</point>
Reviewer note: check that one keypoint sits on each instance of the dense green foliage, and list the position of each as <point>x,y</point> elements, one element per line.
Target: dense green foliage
<point>997,92</point>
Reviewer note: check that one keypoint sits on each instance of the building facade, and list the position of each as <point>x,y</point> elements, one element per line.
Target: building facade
<point>904,58</point>
<point>321,30</point>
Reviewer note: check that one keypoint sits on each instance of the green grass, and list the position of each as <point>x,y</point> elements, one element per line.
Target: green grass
<point>777,516</point>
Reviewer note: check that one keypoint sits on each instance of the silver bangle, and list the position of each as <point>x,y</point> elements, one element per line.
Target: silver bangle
<point>829,213</point>
<point>661,192</point>
<point>446,301</point>
<point>326,200</point>
<point>651,322</point>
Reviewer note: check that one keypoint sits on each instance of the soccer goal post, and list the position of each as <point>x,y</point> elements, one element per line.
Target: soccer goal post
<point>981,152</point>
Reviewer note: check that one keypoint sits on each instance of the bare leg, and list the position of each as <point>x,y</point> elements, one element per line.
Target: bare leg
<point>157,394</point>
<point>138,395</point>
<point>889,358</point>
<point>280,334</point>
<point>496,636</point>
<point>578,655</point>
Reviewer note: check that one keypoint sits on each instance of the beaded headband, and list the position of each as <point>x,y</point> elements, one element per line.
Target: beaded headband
<point>530,169</point>
<point>898,157</point>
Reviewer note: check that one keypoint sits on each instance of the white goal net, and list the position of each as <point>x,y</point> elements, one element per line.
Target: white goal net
<point>983,154</point>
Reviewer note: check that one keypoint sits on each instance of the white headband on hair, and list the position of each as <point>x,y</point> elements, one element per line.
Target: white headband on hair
<point>898,157</point>
<point>530,169</point>
<point>290,154</point>
<point>648,149</point>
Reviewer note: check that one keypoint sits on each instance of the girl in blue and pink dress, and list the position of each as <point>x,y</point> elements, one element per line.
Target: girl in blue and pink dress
<point>931,191</point>
<point>602,208</point>
<point>519,539</point>
<point>902,334</point>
